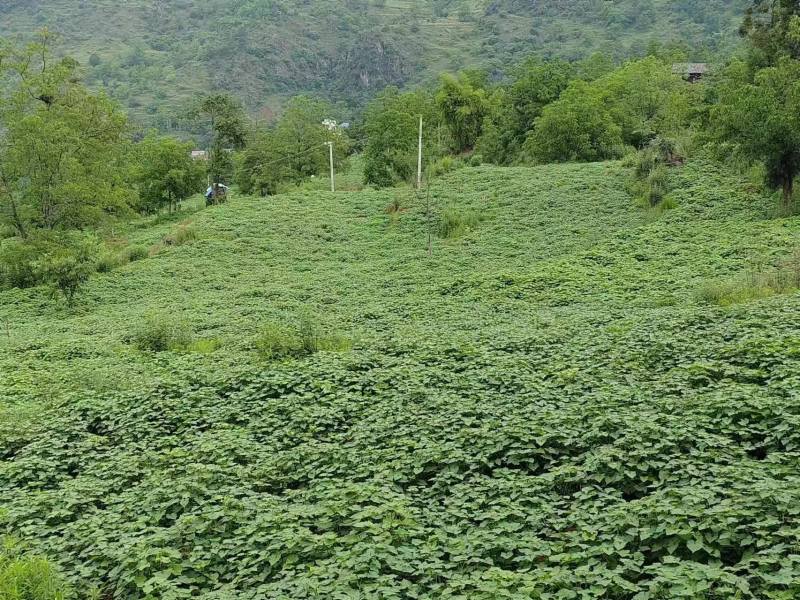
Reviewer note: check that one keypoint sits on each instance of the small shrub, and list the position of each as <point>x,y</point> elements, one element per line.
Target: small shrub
<point>182,235</point>
<point>25,577</point>
<point>278,340</point>
<point>18,264</point>
<point>134,253</point>
<point>66,265</point>
<point>444,165</point>
<point>454,223</point>
<point>109,261</point>
<point>160,333</point>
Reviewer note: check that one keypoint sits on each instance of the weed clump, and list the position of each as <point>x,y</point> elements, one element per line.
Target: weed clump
<point>278,341</point>
<point>455,223</point>
<point>755,284</point>
<point>160,333</point>
<point>182,235</point>
<point>25,577</point>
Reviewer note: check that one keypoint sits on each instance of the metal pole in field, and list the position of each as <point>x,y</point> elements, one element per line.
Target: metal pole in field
<point>333,183</point>
<point>419,157</point>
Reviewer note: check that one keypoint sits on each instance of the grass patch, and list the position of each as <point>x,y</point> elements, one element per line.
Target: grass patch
<point>184,234</point>
<point>278,340</point>
<point>26,577</point>
<point>161,333</point>
<point>457,222</point>
<point>755,284</point>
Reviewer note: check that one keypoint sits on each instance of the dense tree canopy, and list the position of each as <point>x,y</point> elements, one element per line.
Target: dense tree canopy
<point>63,152</point>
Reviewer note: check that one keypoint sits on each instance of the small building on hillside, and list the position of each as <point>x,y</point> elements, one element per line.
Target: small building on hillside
<point>199,155</point>
<point>691,72</point>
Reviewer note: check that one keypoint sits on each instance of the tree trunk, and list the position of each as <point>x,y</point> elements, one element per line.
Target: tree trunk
<point>788,192</point>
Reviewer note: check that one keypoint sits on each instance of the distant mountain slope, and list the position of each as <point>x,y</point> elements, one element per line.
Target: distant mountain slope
<point>154,55</point>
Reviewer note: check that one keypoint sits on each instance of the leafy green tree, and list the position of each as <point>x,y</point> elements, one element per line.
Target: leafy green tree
<point>513,110</point>
<point>295,148</point>
<point>576,127</point>
<point>165,173</point>
<point>63,159</point>
<point>758,116</point>
<point>463,102</point>
<point>646,99</point>
<point>773,30</point>
<point>227,129</point>
<point>391,123</point>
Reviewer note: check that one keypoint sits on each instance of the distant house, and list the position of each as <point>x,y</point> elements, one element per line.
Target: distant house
<point>691,72</point>
<point>199,155</point>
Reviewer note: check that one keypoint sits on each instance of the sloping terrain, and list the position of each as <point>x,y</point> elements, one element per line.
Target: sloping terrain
<point>156,56</point>
<point>542,407</point>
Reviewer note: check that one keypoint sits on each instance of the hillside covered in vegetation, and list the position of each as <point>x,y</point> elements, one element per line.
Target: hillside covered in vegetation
<point>157,56</point>
<point>569,396</point>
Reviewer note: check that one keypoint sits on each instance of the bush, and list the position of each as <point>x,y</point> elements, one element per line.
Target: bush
<point>66,264</point>
<point>454,223</point>
<point>184,234</point>
<point>25,577</point>
<point>279,340</point>
<point>160,333</point>
<point>18,264</point>
<point>650,180</point>
<point>134,253</point>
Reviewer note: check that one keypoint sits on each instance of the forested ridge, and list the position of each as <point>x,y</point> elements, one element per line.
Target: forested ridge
<point>155,56</point>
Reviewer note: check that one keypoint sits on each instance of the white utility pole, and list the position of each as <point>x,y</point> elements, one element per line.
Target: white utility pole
<point>333,183</point>
<point>419,157</point>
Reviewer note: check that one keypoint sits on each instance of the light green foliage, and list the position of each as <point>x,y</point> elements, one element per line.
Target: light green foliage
<point>454,222</point>
<point>646,99</point>
<point>225,126</point>
<point>528,412</point>
<point>758,116</point>
<point>279,340</point>
<point>463,103</point>
<point>391,123</point>
<point>62,161</point>
<point>576,127</point>
<point>24,577</point>
<point>66,262</point>
<point>63,261</point>
<point>294,149</point>
<point>160,332</point>
<point>165,173</point>
<point>650,178</point>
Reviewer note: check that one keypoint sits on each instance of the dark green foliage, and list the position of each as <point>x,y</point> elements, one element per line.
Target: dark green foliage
<point>62,261</point>
<point>577,127</point>
<point>62,163</point>
<point>265,51</point>
<point>650,179</point>
<point>757,115</point>
<point>513,110</point>
<point>542,407</point>
<point>773,30</point>
<point>66,262</point>
<point>225,124</point>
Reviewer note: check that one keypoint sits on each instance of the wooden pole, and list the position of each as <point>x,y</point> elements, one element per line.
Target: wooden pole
<point>419,157</point>
<point>333,183</point>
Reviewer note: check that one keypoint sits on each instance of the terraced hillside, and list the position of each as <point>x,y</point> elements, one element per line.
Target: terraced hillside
<point>552,404</point>
<point>157,56</point>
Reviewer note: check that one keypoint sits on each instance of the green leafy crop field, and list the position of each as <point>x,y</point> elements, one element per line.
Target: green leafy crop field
<point>543,407</point>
